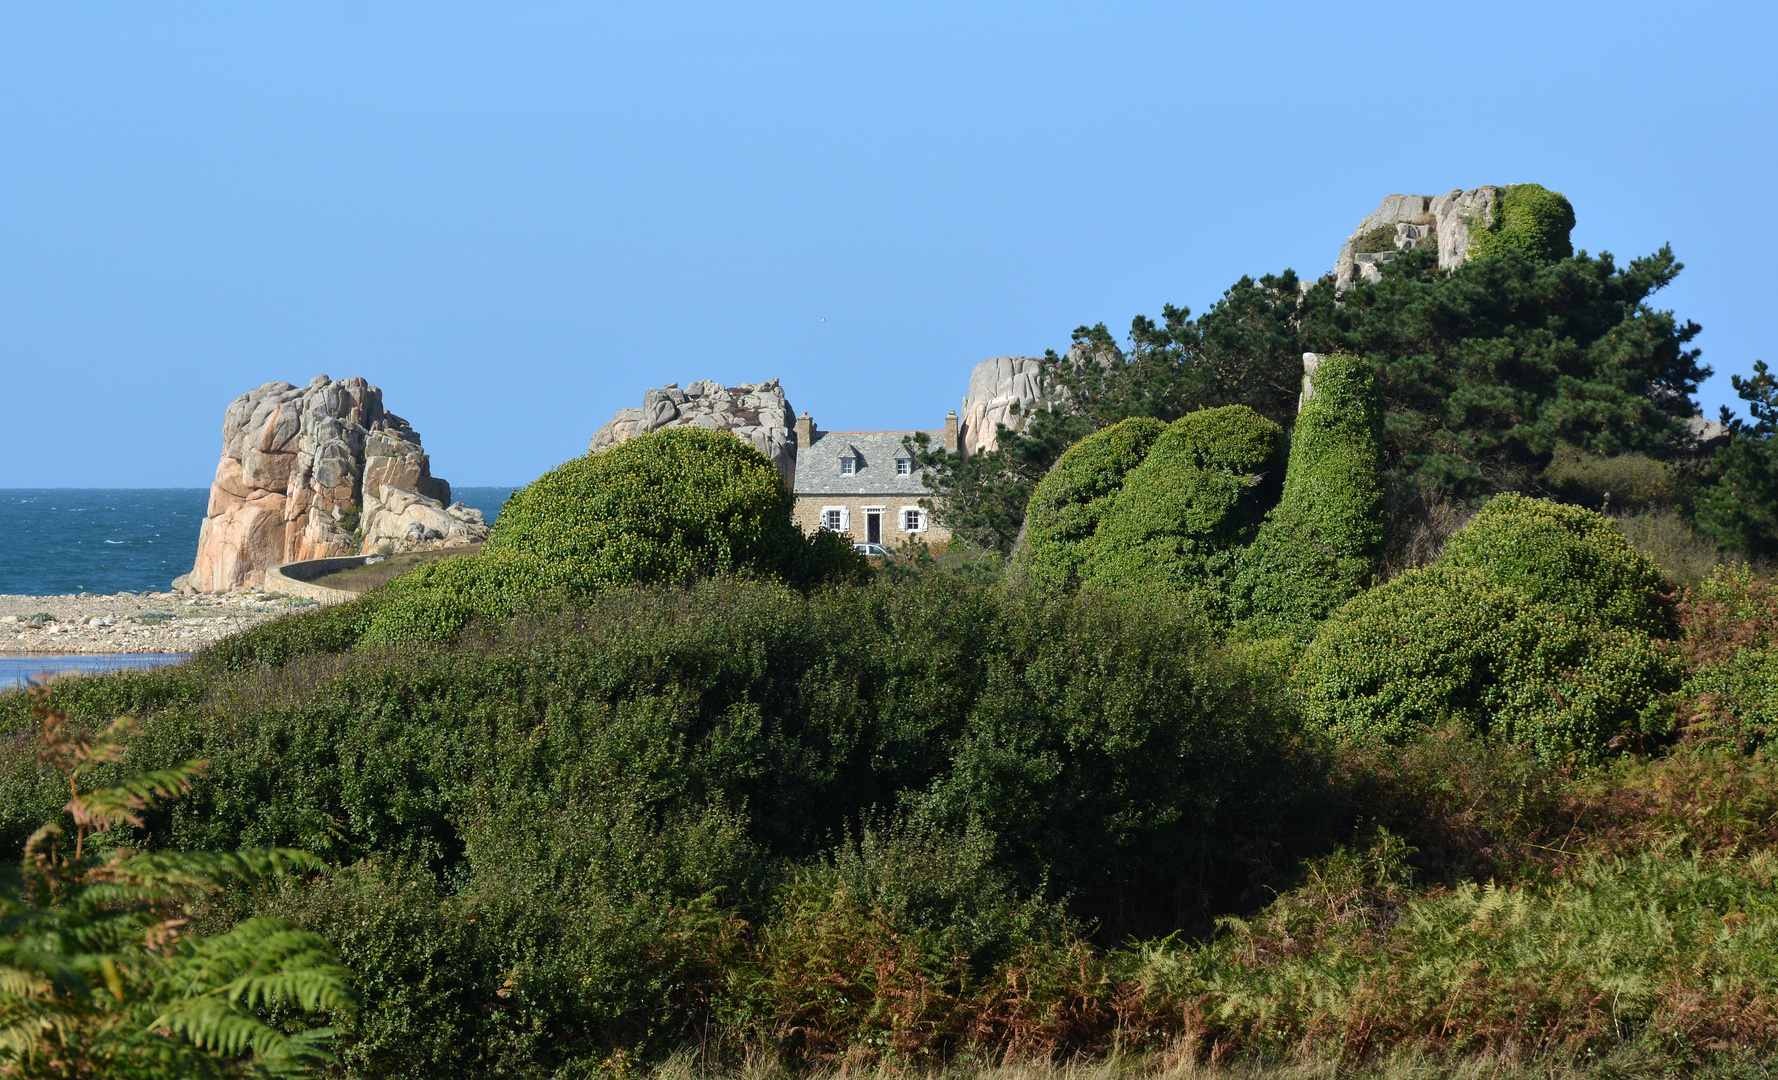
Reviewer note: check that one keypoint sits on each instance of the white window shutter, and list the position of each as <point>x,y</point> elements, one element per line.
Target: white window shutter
<point>846,520</point>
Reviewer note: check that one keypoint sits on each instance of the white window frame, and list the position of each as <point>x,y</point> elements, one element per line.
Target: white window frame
<point>904,466</point>
<point>901,519</point>
<point>848,466</point>
<point>845,519</point>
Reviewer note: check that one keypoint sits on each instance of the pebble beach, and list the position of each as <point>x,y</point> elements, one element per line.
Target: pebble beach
<point>149,622</point>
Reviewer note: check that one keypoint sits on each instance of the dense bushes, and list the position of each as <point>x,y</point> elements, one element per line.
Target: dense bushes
<point>1565,556</point>
<point>1632,481</point>
<point>1535,625</point>
<point>558,833</point>
<point>1073,497</point>
<point>673,505</point>
<point>1444,644</point>
<point>930,816</point>
<point>1318,546</point>
<point>1196,498</point>
<point>1142,507</point>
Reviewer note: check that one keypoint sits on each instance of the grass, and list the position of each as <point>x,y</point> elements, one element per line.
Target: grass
<point>360,579</point>
<point>1179,1064</point>
<point>1665,536</point>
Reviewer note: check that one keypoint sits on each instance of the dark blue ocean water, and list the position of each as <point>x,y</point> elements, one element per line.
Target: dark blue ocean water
<point>109,540</point>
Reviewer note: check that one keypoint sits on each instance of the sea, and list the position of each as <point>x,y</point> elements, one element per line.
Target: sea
<point>55,541</point>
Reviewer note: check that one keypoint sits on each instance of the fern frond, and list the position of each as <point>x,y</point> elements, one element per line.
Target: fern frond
<point>210,1024</point>
<point>265,962</point>
<point>107,808</point>
<point>17,982</point>
<point>207,868</point>
<point>44,965</point>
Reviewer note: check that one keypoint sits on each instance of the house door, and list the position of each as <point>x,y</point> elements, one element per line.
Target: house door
<point>873,527</point>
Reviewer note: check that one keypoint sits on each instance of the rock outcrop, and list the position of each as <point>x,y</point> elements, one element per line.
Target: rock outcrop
<point>1001,392</point>
<point>317,471</point>
<point>1006,390</point>
<point>756,412</point>
<point>1405,222</point>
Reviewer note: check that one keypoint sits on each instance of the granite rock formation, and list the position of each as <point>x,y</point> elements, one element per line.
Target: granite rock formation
<point>317,471</point>
<point>1002,391</point>
<point>755,412</point>
<point>1006,390</point>
<point>1405,222</point>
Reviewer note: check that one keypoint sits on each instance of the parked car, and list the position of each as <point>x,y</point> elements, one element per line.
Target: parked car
<point>871,551</point>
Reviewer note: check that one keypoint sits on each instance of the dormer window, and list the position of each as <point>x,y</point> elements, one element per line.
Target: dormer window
<point>848,466</point>
<point>903,467</point>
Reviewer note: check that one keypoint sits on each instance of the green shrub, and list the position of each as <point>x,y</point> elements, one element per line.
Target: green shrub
<point>434,602</point>
<point>1379,239</point>
<point>1446,645</point>
<point>1177,524</point>
<point>1118,754</point>
<point>1073,497</point>
<point>1569,557</point>
<point>1318,546</point>
<point>674,505</point>
<point>1736,699</point>
<point>1528,218</point>
<point>1625,482</point>
<point>562,821</point>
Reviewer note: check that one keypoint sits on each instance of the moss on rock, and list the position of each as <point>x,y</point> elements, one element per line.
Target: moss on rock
<point>1528,218</point>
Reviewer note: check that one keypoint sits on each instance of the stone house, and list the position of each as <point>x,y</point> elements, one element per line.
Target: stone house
<point>865,484</point>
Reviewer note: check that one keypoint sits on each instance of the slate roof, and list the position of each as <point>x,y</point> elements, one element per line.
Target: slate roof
<point>818,467</point>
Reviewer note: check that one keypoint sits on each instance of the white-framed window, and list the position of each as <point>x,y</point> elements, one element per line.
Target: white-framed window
<point>913,519</point>
<point>834,518</point>
<point>903,467</point>
<point>848,466</point>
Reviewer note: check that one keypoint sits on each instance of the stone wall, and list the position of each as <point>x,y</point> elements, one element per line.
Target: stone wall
<point>809,508</point>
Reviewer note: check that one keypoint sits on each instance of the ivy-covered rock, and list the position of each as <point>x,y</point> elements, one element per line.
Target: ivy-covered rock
<point>1072,498</point>
<point>1569,557</point>
<point>1318,546</point>
<point>1183,514</point>
<point>1528,218</point>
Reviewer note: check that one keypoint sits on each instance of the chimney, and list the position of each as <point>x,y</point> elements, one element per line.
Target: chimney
<point>951,431</point>
<point>805,431</point>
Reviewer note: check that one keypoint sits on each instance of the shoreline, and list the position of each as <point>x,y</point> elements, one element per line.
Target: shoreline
<point>151,622</point>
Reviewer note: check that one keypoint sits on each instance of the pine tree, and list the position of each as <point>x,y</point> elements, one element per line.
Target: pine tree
<point>1740,510</point>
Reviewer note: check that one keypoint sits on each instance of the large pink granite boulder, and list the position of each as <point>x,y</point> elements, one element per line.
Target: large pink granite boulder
<point>317,471</point>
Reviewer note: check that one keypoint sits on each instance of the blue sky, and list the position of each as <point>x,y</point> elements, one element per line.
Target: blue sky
<point>514,218</point>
